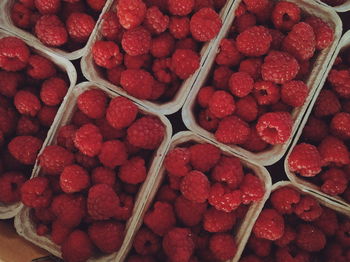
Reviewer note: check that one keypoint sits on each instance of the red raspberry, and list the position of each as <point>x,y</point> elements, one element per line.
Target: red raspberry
<point>107,131</point>
<point>255,41</point>
<point>323,32</point>
<point>14,54</point>
<point>221,77</point>
<point>342,234</point>
<point>275,127</point>
<point>137,82</point>
<point>334,181</point>
<point>204,156</point>
<point>177,161</point>
<point>260,246</point>
<point>146,242</point>
<point>285,199</point>
<point>228,55</point>
<point>315,129</point>
<point>133,171</point>
<point>305,160</point>
<point>294,93</point>
<point>288,236</point>
<point>93,103</point>
<point>21,16</point>
<point>221,104</point>
<point>110,26</point>
<point>327,222</point>
<point>218,221</point>
<point>241,84</point>
<point>47,7</point>
<point>136,41</point>
<point>65,137</point>
<point>277,39</point>
<point>10,185</point>
<point>279,67</point>
<point>53,90</point>
<point>244,21</point>
<point>27,126</point>
<point>184,63</point>
<point>223,246</point>
<point>224,199</point>
<point>51,31</point>
<point>54,159</point>
<point>161,219</point>
<point>232,130</point>
<point>179,27</point>
<point>106,54</point>
<point>102,202</point>
<point>207,120</point>
<point>121,112</point>
<point>147,132</point>
<point>339,80</point>
<point>155,20</point>
<point>188,212</point>
<point>79,118</point>
<point>131,13</point>
<point>114,74</point>
<point>252,66</point>
<point>77,247</point>
<point>178,244</point>
<point>300,42</point>
<point>166,194</point>
<point>40,67</point>
<point>333,151</point>
<point>162,46</point>
<point>36,192</point>
<point>103,175</point>
<point>181,8</point>
<point>327,103</point>
<point>254,142</point>
<point>25,149</point>
<point>9,83</point>
<point>27,103</point>
<point>162,70</point>
<point>74,178</point>
<point>308,209</point>
<point>113,153</point>
<point>310,238</point>
<point>88,140</point>
<point>187,43</point>
<point>340,125</point>
<point>204,95</point>
<point>7,120</point>
<point>266,92</point>
<point>47,115</point>
<point>96,5</point>
<point>269,225</point>
<point>205,24</point>
<point>229,170</point>
<point>252,189</point>
<point>195,186</point>
<point>285,15</point>
<point>255,6</point>
<point>108,236</point>
<point>80,26</point>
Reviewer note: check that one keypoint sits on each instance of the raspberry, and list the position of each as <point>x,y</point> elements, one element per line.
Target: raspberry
<point>162,46</point>
<point>36,192</point>
<point>53,90</point>
<point>7,120</point>
<point>229,170</point>
<point>221,77</point>
<point>275,127</point>
<point>136,41</point>
<point>77,247</point>
<point>177,161</point>
<point>310,238</point>
<point>106,54</point>
<point>204,156</point>
<point>232,130</point>
<point>252,189</point>
<point>207,120</point>
<point>308,209</point>
<point>340,125</point>
<point>342,234</point>
<point>146,242</point>
<point>80,26</point>
<point>241,84</point>
<point>179,27</point>
<point>266,92</point>
<point>334,181</point>
<point>161,219</point>
<point>224,199</point>
<point>323,32</point>
<point>51,31</point>
<point>223,246</point>
<point>59,232</point>
<point>187,43</point>
<point>110,26</point>
<point>188,212</point>
<point>155,20</point>
<point>327,222</point>
<point>288,236</point>
<point>74,178</point>
<point>255,6</point>
<point>166,194</point>
<point>254,142</point>
<point>10,184</point>
<point>339,82</point>
<point>40,67</point>
<point>181,8</point>
<point>277,39</point>
<point>285,199</point>
<point>114,74</point>
<point>113,153</point>
<point>46,7</point>
<point>121,112</point>
<point>147,132</point>
<point>333,151</point>
<point>125,208</point>
<point>9,82</point>
<point>184,63</point>
<point>255,41</point>
<point>88,140</point>
<point>14,54</point>
<point>327,103</point>
<point>260,246</point>
<point>218,221</point>
<point>204,95</point>
<point>315,129</point>
<point>79,118</point>
<point>221,104</point>
<point>205,24</point>
<point>54,159</point>
<point>27,126</point>
<point>131,13</point>
<point>47,115</point>
<point>133,171</point>
<point>103,175</point>
<point>107,131</point>
<point>252,66</point>
<point>178,244</point>
<point>65,137</point>
<point>244,21</point>
<point>279,67</point>
<point>300,41</point>
<point>137,82</point>
<point>285,15</point>
<point>108,236</point>
<point>96,5</point>
<point>93,103</point>
<point>228,54</point>
<point>20,15</point>
<point>269,225</point>
<point>195,186</point>
<point>25,149</point>
<point>102,202</point>
<point>294,93</point>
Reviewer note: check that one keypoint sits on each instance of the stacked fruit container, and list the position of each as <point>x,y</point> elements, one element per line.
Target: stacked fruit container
<point>166,130</point>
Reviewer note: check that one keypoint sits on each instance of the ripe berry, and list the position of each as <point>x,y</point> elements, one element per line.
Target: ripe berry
<point>184,63</point>
<point>77,247</point>
<point>161,219</point>
<point>177,161</point>
<point>323,32</point>
<point>269,225</point>
<point>204,156</point>
<point>88,140</point>
<point>179,27</point>
<point>195,186</point>
<point>294,93</point>
<point>14,54</point>
<point>284,200</point>
<point>106,54</point>
<point>285,15</point>
<point>180,7</point>
<point>136,41</point>
<point>205,24</point>
<point>155,20</point>
<point>51,31</point>
<point>10,185</point>
<point>232,130</point>
<point>131,13</point>
<point>25,148</point>
<point>74,178</point>
<point>241,84</point>
<point>53,90</point>
<point>133,171</point>
<point>228,54</point>
<point>255,41</point>
<point>36,192</point>
<point>137,82</point>
<point>54,159</point>
<point>221,104</point>
<point>80,26</point>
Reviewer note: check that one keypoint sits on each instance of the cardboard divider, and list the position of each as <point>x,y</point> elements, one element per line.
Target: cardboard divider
<point>242,232</point>
<point>340,8</point>
<point>320,68</point>
<point>7,24</point>
<point>26,228</point>
<point>8,211</point>
<point>93,72</point>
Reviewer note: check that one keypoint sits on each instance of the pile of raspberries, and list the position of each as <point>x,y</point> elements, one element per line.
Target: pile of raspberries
<point>66,24</point>
<point>322,156</point>
<point>31,90</point>
<point>259,74</point>
<point>90,178</point>
<point>204,197</point>
<point>149,47</point>
<point>295,227</point>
